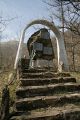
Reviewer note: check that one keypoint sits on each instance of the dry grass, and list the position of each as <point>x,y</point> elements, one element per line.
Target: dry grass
<point>76,75</point>
<point>3,80</point>
<point>4,76</point>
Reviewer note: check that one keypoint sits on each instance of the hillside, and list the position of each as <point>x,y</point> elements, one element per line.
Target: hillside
<point>8,52</point>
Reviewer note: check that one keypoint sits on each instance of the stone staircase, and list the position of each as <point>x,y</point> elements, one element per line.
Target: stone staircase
<point>45,95</point>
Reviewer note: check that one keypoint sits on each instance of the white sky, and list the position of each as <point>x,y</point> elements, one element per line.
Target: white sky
<point>23,11</point>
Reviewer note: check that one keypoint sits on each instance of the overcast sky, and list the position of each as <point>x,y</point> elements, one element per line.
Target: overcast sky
<point>23,11</point>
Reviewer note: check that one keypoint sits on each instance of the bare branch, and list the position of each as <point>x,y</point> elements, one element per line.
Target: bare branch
<point>77,7</point>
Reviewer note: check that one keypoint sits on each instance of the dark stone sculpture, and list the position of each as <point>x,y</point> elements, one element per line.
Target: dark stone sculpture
<point>40,45</point>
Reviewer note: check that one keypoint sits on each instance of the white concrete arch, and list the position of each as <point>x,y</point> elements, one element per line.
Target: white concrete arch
<point>62,57</point>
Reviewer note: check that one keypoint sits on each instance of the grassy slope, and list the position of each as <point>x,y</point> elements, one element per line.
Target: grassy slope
<point>77,75</point>
<point>4,80</point>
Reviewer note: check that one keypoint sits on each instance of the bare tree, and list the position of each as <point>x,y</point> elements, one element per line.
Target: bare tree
<point>3,25</point>
<point>67,13</point>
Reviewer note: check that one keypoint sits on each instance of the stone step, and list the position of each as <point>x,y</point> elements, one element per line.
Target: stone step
<point>68,112</point>
<point>31,91</point>
<point>46,81</point>
<point>37,75</point>
<point>45,101</point>
<point>33,70</point>
<point>43,75</point>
